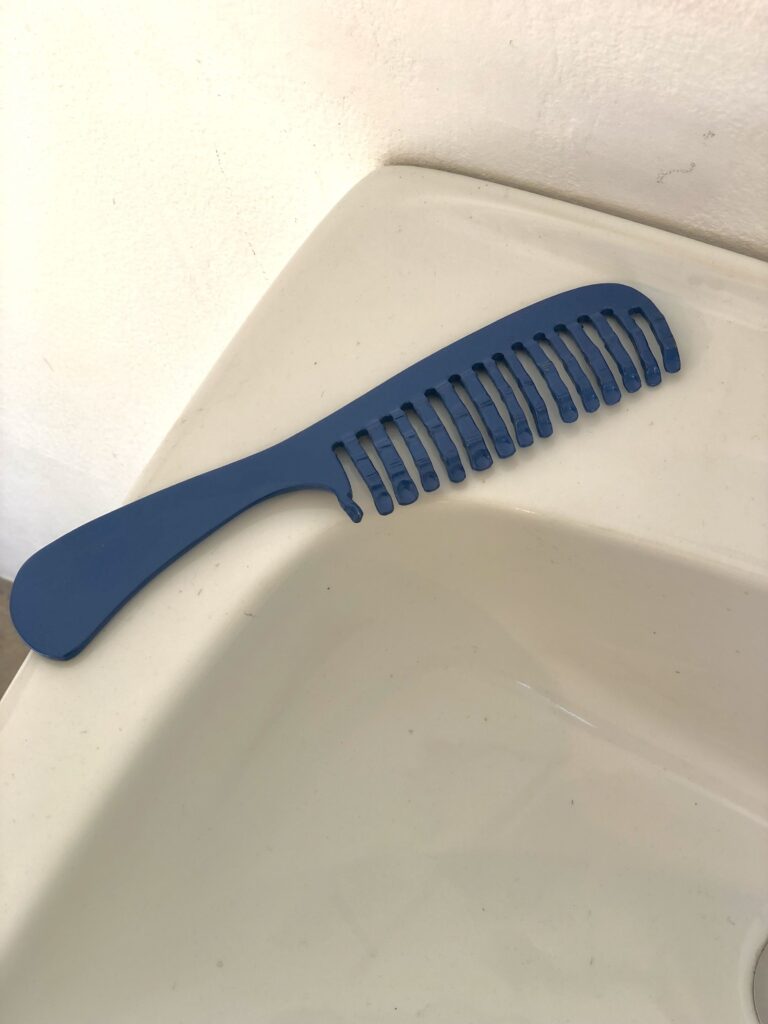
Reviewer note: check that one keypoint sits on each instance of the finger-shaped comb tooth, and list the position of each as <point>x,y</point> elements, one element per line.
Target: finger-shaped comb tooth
<point>509,398</point>
<point>609,389</point>
<point>581,381</point>
<point>489,414</point>
<point>343,489</point>
<point>530,392</point>
<point>651,370</point>
<point>660,329</point>
<point>405,489</point>
<point>381,496</point>
<point>629,375</point>
<point>430,481</point>
<point>555,383</point>
<point>442,440</point>
<point>479,456</point>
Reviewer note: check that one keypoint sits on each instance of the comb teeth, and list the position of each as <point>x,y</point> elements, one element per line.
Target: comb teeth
<point>505,391</point>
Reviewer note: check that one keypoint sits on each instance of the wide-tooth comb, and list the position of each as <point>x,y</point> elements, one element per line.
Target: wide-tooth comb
<point>67,591</point>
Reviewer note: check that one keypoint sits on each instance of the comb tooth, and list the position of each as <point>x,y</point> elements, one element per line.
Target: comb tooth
<point>381,496</point>
<point>629,375</point>
<point>430,481</point>
<point>581,381</point>
<point>530,392</point>
<point>509,398</point>
<point>651,370</point>
<point>661,332</point>
<point>479,456</point>
<point>609,389</point>
<point>489,414</point>
<point>405,489</point>
<point>343,489</point>
<point>560,393</point>
<point>443,441</point>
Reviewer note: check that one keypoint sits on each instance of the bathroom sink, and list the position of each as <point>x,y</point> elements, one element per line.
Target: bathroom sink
<point>499,757</point>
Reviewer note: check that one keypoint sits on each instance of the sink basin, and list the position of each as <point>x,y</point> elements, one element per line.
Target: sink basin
<point>500,756</point>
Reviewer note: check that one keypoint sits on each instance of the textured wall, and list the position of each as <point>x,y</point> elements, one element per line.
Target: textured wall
<point>164,159</point>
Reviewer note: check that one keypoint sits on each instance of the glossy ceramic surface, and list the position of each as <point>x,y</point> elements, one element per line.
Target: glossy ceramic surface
<point>499,758</point>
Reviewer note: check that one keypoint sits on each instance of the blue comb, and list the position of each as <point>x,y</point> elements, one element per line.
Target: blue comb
<point>68,591</point>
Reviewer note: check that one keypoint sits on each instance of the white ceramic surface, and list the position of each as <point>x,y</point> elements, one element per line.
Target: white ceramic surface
<point>499,757</point>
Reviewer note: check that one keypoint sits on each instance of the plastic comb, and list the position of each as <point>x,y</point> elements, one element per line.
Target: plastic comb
<point>575,347</point>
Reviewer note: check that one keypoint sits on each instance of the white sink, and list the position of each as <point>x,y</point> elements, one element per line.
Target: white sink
<point>500,757</point>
